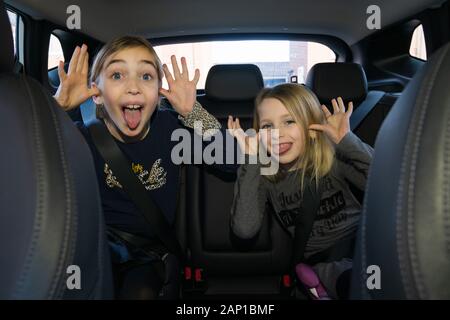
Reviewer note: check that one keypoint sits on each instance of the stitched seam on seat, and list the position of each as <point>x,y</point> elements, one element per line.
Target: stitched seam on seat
<point>40,196</point>
<point>66,251</point>
<point>417,273</point>
<point>446,188</point>
<point>415,132</point>
<point>403,255</point>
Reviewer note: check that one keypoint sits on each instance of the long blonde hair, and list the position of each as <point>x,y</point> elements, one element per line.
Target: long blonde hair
<point>303,105</point>
<point>114,46</point>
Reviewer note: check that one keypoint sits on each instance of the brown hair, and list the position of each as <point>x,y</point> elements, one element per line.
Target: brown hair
<point>114,46</point>
<point>303,105</point>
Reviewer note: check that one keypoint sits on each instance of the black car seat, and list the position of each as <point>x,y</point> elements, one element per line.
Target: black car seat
<point>51,223</point>
<point>230,89</point>
<point>348,80</point>
<point>404,236</point>
<point>222,264</point>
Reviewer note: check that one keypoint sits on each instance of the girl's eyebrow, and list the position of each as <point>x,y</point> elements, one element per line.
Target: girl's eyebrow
<point>114,61</point>
<point>123,61</point>
<point>149,62</point>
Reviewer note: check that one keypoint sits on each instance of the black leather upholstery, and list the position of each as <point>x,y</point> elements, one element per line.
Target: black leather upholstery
<point>348,80</point>
<point>332,80</point>
<point>233,82</point>
<point>405,226</point>
<point>232,266</point>
<point>231,90</point>
<point>51,215</point>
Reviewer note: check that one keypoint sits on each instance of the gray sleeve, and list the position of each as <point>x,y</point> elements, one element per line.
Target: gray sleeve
<point>247,211</point>
<point>354,157</point>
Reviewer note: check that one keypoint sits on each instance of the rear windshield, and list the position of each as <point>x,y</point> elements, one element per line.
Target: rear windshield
<point>278,60</point>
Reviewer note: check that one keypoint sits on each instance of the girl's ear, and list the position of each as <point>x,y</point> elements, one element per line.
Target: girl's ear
<point>98,99</point>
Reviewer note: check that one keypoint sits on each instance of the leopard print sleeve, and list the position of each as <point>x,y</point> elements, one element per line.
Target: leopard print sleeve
<point>209,124</point>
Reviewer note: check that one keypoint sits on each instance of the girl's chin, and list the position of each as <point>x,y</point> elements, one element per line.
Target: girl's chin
<point>137,133</point>
<point>126,134</point>
<point>287,163</point>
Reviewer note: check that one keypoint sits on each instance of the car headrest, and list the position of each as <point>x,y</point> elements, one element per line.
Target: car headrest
<point>233,82</point>
<point>403,246</point>
<point>7,52</point>
<point>332,80</point>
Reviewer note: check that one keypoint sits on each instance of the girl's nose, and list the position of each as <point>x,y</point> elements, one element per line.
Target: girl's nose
<point>133,87</point>
<point>133,90</point>
<point>279,131</point>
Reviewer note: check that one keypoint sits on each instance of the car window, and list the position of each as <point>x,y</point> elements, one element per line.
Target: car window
<point>13,20</point>
<point>55,52</point>
<point>418,48</point>
<point>278,60</point>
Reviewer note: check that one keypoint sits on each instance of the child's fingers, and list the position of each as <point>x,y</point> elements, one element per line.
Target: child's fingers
<point>167,74</point>
<point>74,60</point>
<point>80,61</point>
<point>230,123</point>
<point>85,69</point>
<point>176,70</point>
<point>350,109</point>
<point>318,127</point>
<point>61,73</point>
<point>335,106</point>
<point>238,124</point>
<point>184,68</point>
<point>341,104</point>
<point>196,76</point>
<point>326,111</point>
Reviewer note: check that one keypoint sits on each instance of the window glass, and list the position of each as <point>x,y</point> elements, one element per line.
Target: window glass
<point>278,60</point>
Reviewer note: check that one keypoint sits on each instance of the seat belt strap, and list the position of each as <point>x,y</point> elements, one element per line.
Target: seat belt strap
<point>373,97</point>
<point>305,220</point>
<point>117,161</point>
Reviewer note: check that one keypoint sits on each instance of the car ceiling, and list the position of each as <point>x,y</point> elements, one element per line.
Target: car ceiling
<point>106,19</point>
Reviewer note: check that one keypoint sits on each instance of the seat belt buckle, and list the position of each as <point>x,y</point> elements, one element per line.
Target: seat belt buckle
<point>187,273</point>
<point>286,285</point>
<point>286,280</point>
<point>188,280</point>
<point>198,275</point>
<point>200,282</point>
<point>194,280</point>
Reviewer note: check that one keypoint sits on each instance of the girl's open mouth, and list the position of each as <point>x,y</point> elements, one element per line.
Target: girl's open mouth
<point>132,114</point>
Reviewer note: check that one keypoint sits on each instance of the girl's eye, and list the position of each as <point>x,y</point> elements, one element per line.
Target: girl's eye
<point>116,76</point>
<point>289,122</point>
<point>265,126</point>
<point>147,77</point>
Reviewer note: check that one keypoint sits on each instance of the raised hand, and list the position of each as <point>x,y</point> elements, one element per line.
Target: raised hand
<point>247,144</point>
<point>73,88</point>
<point>338,123</point>
<point>182,92</point>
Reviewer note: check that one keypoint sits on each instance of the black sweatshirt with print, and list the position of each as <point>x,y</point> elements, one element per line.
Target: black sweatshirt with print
<point>150,159</point>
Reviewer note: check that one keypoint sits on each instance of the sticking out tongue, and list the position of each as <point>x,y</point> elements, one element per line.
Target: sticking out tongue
<point>132,117</point>
<point>284,147</point>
